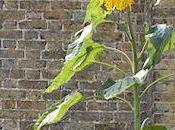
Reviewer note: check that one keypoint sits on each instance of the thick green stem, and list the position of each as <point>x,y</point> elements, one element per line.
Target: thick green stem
<point>137,113</point>
<point>137,101</point>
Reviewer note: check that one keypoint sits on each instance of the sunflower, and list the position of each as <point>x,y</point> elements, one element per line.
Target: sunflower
<point>118,4</point>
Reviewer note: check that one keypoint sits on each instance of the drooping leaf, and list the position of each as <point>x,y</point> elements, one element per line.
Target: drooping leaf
<point>111,89</point>
<point>160,38</point>
<point>57,111</point>
<point>154,127</point>
<point>86,56</point>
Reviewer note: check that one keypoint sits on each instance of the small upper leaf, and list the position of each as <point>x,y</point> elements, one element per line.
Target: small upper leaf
<point>95,13</point>
<point>154,127</point>
<point>57,111</point>
<point>160,38</point>
<point>111,88</point>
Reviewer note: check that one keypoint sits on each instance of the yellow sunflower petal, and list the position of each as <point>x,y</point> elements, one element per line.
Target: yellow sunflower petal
<point>118,4</point>
<point>109,4</point>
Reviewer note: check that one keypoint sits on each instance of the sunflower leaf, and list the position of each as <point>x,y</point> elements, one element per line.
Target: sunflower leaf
<point>57,111</point>
<point>111,89</point>
<point>95,13</point>
<point>160,38</point>
<point>86,56</point>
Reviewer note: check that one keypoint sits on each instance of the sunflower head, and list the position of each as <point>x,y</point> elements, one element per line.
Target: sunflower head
<point>118,4</point>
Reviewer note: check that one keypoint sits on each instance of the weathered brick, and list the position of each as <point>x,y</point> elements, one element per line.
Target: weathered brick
<point>105,37</point>
<point>75,5</point>
<point>36,105</point>
<point>29,84</point>
<point>55,45</point>
<point>10,25</point>
<point>34,15</point>
<point>32,45</point>
<point>33,54</point>
<point>55,95</point>
<point>9,124</point>
<point>124,117</point>
<point>35,5</point>
<point>84,75</point>
<point>10,94</point>
<point>34,64</point>
<point>55,25</point>
<point>31,35</point>
<point>166,64</point>
<point>110,126</point>
<point>164,97</point>
<point>9,34</point>
<point>4,74</point>
<point>49,74</point>
<point>78,15</point>
<point>71,125</point>
<point>11,53</point>
<point>72,84</point>
<point>11,15</point>
<point>11,5</point>
<point>123,107</point>
<point>53,54</point>
<point>33,74</point>
<point>164,118</point>
<point>162,107</point>
<point>34,24</point>
<point>9,63</point>
<point>28,125</point>
<point>17,74</point>
<point>9,83</point>
<point>90,116</point>
<point>161,73</point>
<point>55,35</point>
<point>162,87</point>
<point>58,14</point>
<point>20,94</point>
<point>72,25</point>
<point>9,44</point>
<point>79,107</point>
<point>106,117</point>
<point>16,114</point>
<point>55,65</point>
<point>84,85</point>
<point>103,106</point>
<point>8,104</point>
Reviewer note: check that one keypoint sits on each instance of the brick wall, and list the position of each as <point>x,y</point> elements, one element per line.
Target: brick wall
<point>34,35</point>
<point>164,106</point>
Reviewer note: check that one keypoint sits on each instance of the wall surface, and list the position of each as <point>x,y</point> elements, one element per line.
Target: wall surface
<point>34,35</point>
<point>164,106</point>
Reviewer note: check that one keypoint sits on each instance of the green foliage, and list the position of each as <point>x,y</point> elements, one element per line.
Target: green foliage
<point>160,38</point>
<point>95,13</point>
<point>86,55</point>
<point>83,52</point>
<point>56,111</point>
<point>111,89</point>
<point>154,127</point>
